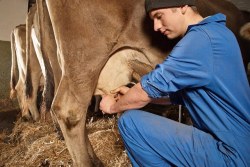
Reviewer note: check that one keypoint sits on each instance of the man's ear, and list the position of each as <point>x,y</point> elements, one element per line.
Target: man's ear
<point>184,9</point>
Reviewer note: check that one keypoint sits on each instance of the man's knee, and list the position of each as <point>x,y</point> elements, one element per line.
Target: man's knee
<point>126,121</point>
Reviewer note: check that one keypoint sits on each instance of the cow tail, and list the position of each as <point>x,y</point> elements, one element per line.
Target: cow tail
<point>14,77</point>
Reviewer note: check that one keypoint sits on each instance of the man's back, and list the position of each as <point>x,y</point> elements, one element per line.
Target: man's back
<point>221,106</point>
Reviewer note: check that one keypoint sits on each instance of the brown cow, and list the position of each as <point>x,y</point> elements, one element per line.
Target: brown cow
<point>87,34</point>
<point>18,45</point>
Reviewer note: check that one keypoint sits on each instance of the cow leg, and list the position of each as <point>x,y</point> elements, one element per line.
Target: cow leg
<point>32,101</point>
<point>25,114</point>
<point>71,117</point>
<point>48,95</point>
<point>33,80</point>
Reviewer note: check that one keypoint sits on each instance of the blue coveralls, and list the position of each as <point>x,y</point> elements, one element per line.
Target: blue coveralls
<point>204,72</point>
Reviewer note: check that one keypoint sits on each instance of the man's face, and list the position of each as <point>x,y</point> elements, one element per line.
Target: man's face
<point>169,21</point>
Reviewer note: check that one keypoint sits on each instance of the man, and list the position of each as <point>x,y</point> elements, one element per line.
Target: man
<point>205,73</point>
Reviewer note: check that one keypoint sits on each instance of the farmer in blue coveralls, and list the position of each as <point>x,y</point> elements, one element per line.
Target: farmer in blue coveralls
<point>205,73</point>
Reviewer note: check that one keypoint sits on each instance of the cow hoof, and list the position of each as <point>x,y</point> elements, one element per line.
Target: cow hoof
<point>26,118</point>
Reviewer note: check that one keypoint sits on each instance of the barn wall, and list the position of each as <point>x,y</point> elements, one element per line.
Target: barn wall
<point>12,13</point>
<point>5,66</point>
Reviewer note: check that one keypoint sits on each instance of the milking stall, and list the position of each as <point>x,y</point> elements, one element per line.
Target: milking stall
<point>62,62</point>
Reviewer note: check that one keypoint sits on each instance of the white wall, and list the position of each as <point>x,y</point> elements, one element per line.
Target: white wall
<point>12,13</point>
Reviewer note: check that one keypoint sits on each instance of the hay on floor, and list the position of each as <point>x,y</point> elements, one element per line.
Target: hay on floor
<point>38,144</point>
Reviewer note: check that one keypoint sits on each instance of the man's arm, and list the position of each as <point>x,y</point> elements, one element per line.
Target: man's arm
<point>134,98</point>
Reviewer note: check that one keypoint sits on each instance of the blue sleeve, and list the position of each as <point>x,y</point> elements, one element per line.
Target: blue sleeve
<point>188,66</point>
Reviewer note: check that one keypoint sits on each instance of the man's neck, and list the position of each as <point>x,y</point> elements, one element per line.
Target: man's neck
<point>192,17</point>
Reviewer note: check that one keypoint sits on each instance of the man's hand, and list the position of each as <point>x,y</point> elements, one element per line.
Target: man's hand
<point>106,103</point>
<point>109,100</point>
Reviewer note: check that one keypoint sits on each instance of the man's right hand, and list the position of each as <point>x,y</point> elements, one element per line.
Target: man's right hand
<point>120,91</point>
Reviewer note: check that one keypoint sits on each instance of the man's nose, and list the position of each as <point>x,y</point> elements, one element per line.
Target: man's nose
<point>157,25</point>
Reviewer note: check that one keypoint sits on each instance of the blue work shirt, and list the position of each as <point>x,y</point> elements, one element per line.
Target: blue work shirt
<point>205,72</point>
